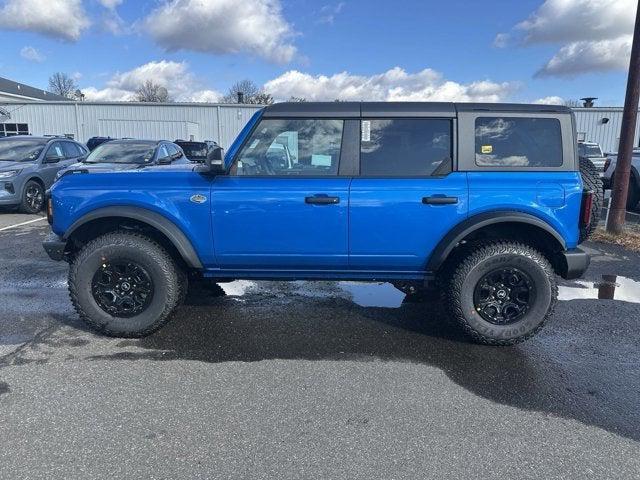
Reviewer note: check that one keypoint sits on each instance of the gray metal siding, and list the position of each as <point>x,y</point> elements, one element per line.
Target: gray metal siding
<point>84,120</point>
<point>590,122</point>
<point>219,122</point>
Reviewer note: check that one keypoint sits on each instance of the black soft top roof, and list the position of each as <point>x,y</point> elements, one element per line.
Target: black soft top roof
<point>397,109</point>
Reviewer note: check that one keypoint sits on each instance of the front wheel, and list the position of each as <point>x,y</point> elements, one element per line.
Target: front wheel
<point>124,284</point>
<point>32,197</point>
<point>502,293</point>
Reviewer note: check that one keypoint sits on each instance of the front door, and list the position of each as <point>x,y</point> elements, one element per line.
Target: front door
<point>283,205</point>
<point>407,197</point>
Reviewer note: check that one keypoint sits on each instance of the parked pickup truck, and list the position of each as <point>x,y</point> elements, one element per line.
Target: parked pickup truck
<point>484,201</point>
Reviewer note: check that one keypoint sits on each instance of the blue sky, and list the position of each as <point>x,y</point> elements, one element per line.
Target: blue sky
<point>497,50</point>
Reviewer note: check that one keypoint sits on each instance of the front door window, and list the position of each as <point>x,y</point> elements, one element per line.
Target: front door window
<point>308,147</point>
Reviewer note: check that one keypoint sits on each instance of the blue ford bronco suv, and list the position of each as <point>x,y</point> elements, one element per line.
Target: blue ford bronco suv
<point>487,202</point>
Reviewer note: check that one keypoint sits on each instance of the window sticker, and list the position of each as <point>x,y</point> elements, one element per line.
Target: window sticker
<point>321,160</point>
<point>486,149</point>
<point>366,130</point>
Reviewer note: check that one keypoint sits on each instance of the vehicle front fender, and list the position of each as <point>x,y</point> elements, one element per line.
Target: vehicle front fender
<point>153,219</point>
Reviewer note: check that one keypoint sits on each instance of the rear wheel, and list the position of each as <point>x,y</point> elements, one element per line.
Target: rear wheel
<point>32,197</point>
<point>124,284</point>
<point>502,293</point>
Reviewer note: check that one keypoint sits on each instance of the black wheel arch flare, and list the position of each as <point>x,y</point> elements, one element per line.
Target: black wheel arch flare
<point>168,228</point>
<point>476,222</point>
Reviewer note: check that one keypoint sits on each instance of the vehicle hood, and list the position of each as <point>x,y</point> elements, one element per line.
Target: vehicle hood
<point>4,166</point>
<point>105,167</point>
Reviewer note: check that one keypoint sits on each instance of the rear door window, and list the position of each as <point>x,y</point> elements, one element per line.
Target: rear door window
<point>405,147</point>
<point>71,150</point>
<point>518,142</point>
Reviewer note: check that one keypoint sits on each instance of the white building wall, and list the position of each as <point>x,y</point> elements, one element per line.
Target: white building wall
<point>84,120</point>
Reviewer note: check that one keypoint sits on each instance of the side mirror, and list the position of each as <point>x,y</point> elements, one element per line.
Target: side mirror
<point>53,158</point>
<point>215,160</point>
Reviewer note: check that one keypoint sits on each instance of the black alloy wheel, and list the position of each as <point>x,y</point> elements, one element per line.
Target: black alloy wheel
<point>122,288</point>
<point>33,197</point>
<point>504,296</point>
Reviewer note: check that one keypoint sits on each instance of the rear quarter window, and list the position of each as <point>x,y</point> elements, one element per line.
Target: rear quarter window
<point>518,142</point>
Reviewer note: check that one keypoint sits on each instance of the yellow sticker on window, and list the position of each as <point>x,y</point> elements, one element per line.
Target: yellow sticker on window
<point>486,148</point>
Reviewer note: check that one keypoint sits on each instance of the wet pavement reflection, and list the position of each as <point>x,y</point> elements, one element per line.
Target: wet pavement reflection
<point>610,287</point>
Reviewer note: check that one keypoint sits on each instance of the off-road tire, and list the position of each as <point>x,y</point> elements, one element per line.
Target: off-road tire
<point>463,278</point>
<point>591,181</point>
<point>26,204</point>
<point>130,246</point>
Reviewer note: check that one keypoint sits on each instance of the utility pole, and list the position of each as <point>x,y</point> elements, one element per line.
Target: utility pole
<point>625,149</point>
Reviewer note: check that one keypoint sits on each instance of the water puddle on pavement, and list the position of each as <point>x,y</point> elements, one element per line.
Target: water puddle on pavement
<point>610,287</point>
<point>373,294</point>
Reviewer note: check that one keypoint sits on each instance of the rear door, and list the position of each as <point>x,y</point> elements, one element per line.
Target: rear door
<point>284,205</point>
<point>407,197</point>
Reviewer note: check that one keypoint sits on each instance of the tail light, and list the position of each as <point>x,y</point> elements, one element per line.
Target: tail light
<point>607,162</point>
<point>587,207</point>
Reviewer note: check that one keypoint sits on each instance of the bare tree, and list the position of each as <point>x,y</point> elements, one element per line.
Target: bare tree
<point>249,93</point>
<point>62,84</point>
<point>572,103</point>
<point>246,88</point>
<point>152,92</point>
<point>297,99</point>
<point>262,98</point>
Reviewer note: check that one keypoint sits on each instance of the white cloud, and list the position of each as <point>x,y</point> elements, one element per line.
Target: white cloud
<point>501,40</point>
<point>393,85</point>
<point>583,57</point>
<point>552,100</point>
<point>328,13</point>
<point>595,35</point>
<point>64,19</point>
<point>206,96</point>
<point>256,27</point>
<point>560,21</point>
<point>110,4</point>
<point>31,54</point>
<point>174,76</point>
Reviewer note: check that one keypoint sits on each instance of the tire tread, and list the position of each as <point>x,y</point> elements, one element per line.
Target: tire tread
<point>483,251</point>
<point>176,292</point>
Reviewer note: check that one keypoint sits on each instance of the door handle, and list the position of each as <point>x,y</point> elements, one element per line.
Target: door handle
<point>439,200</point>
<point>321,200</point>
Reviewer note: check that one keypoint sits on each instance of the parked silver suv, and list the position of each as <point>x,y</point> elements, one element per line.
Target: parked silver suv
<point>28,166</point>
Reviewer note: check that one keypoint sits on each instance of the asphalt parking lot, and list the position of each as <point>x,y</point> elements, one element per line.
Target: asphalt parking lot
<point>314,380</point>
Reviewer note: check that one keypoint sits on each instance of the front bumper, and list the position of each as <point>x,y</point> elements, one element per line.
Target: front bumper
<point>54,245</point>
<point>574,263</point>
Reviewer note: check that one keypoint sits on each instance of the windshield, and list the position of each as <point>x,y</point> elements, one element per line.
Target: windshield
<point>194,150</point>
<point>20,150</point>
<point>113,152</point>
<point>589,150</point>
